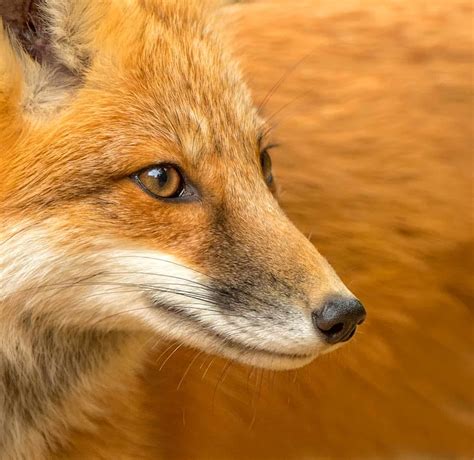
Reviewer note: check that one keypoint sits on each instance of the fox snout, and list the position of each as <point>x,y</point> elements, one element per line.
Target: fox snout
<point>287,303</point>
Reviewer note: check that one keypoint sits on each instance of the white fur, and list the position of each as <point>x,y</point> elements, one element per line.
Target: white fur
<point>290,333</point>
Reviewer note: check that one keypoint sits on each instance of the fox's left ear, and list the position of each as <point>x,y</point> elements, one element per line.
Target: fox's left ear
<point>53,48</point>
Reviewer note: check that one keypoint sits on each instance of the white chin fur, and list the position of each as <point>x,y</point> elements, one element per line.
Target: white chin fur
<point>268,361</point>
<point>190,333</point>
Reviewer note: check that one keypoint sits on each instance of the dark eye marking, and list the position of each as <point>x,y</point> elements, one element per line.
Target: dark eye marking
<point>266,165</point>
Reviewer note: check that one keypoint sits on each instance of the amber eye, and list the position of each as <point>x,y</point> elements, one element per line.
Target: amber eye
<point>266,163</point>
<point>161,181</point>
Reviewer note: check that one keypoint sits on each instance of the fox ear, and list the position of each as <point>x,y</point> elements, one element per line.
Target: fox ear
<point>63,29</point>
<point>53,48</point>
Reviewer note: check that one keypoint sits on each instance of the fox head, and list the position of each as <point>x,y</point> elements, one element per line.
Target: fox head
<point>137,191</point>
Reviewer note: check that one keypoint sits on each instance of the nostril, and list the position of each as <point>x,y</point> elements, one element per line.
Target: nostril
<point>351,334</point>
<point>334,329</point>
<point>338,319</point>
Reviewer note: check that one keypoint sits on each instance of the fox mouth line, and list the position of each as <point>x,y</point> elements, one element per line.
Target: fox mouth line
<point>231,343</point>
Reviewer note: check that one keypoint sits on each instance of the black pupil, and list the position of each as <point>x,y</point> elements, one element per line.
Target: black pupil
<point>160,175</point>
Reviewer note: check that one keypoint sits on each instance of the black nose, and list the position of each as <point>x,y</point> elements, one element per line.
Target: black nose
<point>338,319</point>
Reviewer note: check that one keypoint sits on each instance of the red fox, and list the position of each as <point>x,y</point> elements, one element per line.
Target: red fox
<point>138,201</point>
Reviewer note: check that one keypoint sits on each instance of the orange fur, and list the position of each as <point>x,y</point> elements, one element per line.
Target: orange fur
<point>95,266</point>
<point>363,169</point>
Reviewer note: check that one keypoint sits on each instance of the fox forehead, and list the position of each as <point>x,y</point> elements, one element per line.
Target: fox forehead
<point>170,76</point>
<point>160,87</point>
<point>118,132</point>
<point>196,104</point>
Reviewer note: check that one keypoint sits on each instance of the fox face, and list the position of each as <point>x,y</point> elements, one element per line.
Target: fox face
<point>139,193</point>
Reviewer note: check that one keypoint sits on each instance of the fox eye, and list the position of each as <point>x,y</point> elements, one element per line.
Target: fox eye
<point>266,164</point>
<point>161,181</point>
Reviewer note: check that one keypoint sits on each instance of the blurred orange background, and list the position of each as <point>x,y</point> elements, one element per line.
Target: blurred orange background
<point>375,122</point>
